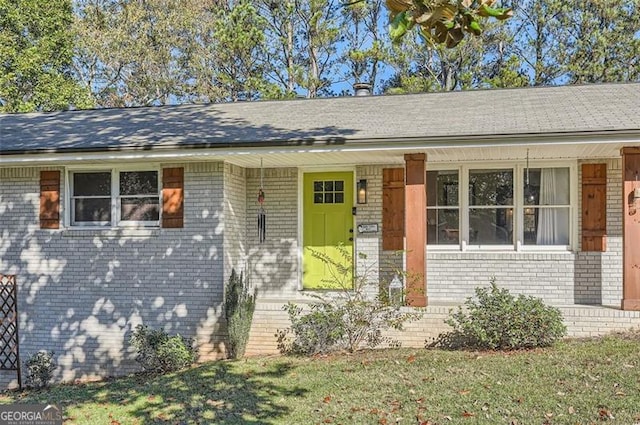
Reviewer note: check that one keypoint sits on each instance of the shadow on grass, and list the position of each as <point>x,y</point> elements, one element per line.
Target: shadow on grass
<point>221,392</point>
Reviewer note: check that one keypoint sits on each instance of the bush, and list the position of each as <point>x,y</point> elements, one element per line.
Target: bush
<point>348,318</point>
<point>315,332</point>
<point>40,367</point>
<point>239,308</point>
<point>497,320</point>
<point>159,352</point>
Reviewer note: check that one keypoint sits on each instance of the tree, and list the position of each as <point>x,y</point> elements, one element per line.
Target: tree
<point>442,21</point>
<point>603,42</point>
<point>319,37</point>
<point>281,43</point>
<point>229,61</point>
<point>364,48</point>
<point>130,52</point>
<point>36,51</point>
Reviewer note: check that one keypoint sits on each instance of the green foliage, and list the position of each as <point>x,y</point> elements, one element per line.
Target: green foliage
<point>349,318</point>
<point>36,51</point>
<point>159,352</point>
<point>239,307</point>
<point>317,331</point>
<point>442,22</point>
<point>40,367</point>
<point>497,320</point>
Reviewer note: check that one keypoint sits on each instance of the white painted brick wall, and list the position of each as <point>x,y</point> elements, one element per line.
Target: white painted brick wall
<point>234,220</point>
<point>273,265</point>
<point>81,292</point>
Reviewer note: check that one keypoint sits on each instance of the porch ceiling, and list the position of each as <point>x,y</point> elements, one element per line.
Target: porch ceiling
<point>440,154</point>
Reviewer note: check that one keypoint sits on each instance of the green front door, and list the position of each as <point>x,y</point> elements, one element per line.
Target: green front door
<point>327,228</point>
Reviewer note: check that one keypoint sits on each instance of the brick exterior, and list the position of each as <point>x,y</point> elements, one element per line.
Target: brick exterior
<point>234,219</point>
<point>273,265</point>
<point>81,292</point>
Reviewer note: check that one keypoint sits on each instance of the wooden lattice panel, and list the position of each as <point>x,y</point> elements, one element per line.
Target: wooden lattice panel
<point>9,353</point>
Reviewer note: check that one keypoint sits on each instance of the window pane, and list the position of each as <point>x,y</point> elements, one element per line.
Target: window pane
<point>139,183</point>
<point>547,186</point>
<point>491,226</point>
<point>140,209</point>
<point>442,188</point>
<point>339,186</point>
<point>442,227</point>
<point>92,184</point>
<point>546,226</point>
<point>339,198</point>
<point>92,209</point>
<point>491,187</point>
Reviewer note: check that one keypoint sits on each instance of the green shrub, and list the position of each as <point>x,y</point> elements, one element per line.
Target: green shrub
<point>159,352</point>
<point>239,308</point>
<point>40,367</point>
<point>320,330</point>
<point>497,320</point>
<point>348,318</point>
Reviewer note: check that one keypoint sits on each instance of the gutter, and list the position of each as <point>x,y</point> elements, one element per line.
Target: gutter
<point>330,144</point>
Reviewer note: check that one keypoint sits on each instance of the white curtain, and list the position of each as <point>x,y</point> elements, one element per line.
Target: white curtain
<point>553,223</point>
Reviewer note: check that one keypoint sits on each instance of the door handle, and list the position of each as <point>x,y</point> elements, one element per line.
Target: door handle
<point>350,239</point>
<point>350,230</point>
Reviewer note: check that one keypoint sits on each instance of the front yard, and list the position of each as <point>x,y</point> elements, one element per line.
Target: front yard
<point>576,382</point>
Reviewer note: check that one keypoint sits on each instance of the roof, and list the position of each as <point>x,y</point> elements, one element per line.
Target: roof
<point>430,116</point>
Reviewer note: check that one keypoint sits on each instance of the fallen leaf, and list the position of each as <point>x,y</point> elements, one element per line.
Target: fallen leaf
<point>327,399</point>
<point>420,400</point>
<point>114,422</point>
<point>466,414</point>
<point>383,421</point>
<point>328,421</point>
<point>605,414</point>
<point>572,410</point>
<point>411,358</point>
<point>464,392</point>
<point>620,394</point>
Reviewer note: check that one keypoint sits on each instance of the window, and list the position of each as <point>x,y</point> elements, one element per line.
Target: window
<point>443,213</point>
<point>328,192</point>
<point>484,207</point>
<point>110,197</point>
<point>490,207</point>
<point>546,206</point>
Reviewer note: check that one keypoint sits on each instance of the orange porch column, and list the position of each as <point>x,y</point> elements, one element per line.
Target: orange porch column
<point>415,202</point>
<point>630,229</point>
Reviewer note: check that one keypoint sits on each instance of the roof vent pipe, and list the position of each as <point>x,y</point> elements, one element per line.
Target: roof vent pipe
<point>362,89</point>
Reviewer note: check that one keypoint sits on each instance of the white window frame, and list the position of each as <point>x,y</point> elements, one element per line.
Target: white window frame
<point>116,219</point>
<point>518,205</point>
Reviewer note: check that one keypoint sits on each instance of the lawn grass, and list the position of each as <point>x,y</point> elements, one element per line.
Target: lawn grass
<point>575,382</point>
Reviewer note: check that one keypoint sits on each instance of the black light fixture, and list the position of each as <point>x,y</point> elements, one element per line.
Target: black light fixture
<point>362,191</point>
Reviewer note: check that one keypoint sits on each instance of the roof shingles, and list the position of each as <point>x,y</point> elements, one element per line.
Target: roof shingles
<point>544,110</point>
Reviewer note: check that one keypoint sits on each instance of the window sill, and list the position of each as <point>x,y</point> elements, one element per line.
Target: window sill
<point>110,232</point>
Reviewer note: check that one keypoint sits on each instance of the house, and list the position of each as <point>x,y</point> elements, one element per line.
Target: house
<point>115,217</point>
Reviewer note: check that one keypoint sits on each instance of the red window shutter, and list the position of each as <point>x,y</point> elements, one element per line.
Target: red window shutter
<point>173,197</point>
<point>594,207</point>
<point>49,199</point>
<point>393,208</point>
